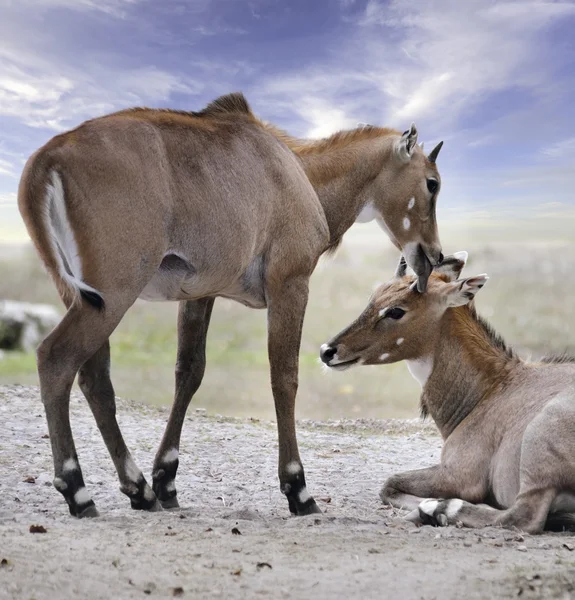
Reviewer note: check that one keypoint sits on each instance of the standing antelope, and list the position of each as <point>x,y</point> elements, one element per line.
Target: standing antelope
<point>507,424</point>
<point>189,206</point>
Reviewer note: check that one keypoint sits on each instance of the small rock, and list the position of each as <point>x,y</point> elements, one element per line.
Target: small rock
<point>237,572</point>
<point>149,587</point>
<point>37,529</point>
<point>177,591</point>
<point>467,544</point>
<point>522,548</point>
<point>29,479</point>
<point>261,565</point>
<point>4,562</point>
<point>236,531</point>
<point>569,547</point>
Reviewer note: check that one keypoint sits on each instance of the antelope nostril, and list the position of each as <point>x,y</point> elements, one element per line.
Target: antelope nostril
<point>440,259</point>
<point>327,353</point>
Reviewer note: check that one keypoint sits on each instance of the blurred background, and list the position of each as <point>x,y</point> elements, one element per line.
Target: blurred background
<point>494,79</point>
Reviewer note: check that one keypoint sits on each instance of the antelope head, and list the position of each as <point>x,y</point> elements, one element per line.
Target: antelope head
<point>402,199</point>
<point>399,323</point>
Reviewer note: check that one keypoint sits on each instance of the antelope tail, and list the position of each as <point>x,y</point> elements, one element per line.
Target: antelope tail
<point>42,204</point>
<point>63,243</point>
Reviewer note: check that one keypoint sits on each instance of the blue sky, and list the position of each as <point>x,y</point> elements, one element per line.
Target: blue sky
<point>495,80</point>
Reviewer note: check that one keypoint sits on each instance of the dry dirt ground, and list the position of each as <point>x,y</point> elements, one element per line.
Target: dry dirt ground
<point>227,482</point>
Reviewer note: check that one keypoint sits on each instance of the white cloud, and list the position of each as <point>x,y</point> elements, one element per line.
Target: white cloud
<point>562,149</point>
<point>112,7</point>
<point>49,94</point>
<point>425,61</point>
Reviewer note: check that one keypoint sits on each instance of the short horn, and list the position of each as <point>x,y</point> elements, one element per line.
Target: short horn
<point>401,267</point>
<point>433,154</point>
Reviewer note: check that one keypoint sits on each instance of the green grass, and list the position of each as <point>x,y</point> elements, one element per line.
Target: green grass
<point>529,300</point>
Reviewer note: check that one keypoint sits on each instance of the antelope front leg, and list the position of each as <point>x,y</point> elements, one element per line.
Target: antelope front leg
<point>193,323</point>
<point>286,308</point>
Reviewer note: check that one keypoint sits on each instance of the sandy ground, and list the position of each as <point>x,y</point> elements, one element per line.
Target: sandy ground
<point>227,481</point>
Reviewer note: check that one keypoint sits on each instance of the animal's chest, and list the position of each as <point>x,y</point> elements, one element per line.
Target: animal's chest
<point>178,279</point>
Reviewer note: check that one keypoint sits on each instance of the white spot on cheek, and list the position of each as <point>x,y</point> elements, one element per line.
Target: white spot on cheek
<point>82,496</point>
<point>428,506</point>
<point>384,356</point>
<point>399,341</point>
<point>293,468</point>
<point>70,465</point>
<point>411,204</point>
<point>453,508</point>
<point>406,223</point>
<point>171,455</point>
<point>304,495</point>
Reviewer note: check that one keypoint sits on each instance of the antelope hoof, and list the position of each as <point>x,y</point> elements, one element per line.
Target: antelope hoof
<point>309,509</point>
<point>145,504</point>
<point>431,512</point>
<point>90,512</point>
<point>301,503</point>
<point>170,503</point>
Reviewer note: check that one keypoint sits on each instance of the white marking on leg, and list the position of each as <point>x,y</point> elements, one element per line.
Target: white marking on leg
<point>428,506</point>
<point>406,223</point>
<point>384,356</point>
<point>399,341</point>
<point>303,495</point>
<point>82,496</point>
<point>70,465</point>
<point>453,508</point>
<point>149,494</point>
<point>411,203</point>
<point>132,471</point>
<point>293,468</point>
<point>170,486</point>
<point>420,369</point>
<point>60,484</point>
<point>171,455</point>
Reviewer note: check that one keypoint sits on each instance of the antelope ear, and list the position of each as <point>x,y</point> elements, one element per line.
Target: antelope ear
<point>452,265</point>
<point>463,291</point>
<point>406,143</point>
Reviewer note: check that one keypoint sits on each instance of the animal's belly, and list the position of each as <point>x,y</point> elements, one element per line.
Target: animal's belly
<point>177,279</point>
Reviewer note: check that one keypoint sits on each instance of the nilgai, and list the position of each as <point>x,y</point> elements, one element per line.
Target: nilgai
<point>509,452</point>
<point>190,206</point>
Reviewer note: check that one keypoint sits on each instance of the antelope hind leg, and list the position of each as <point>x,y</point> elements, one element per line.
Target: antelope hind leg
<point>95,383</point>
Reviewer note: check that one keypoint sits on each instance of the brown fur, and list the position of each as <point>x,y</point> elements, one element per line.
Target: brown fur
<point>190,206</point>
<point>509,455</point>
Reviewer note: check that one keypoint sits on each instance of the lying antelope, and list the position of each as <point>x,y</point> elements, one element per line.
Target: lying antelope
<point>190,206</point>
<point>508,437</point>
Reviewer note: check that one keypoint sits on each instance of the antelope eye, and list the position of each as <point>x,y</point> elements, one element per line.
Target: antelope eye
<point>394,313</point>
<point>432,185</point>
